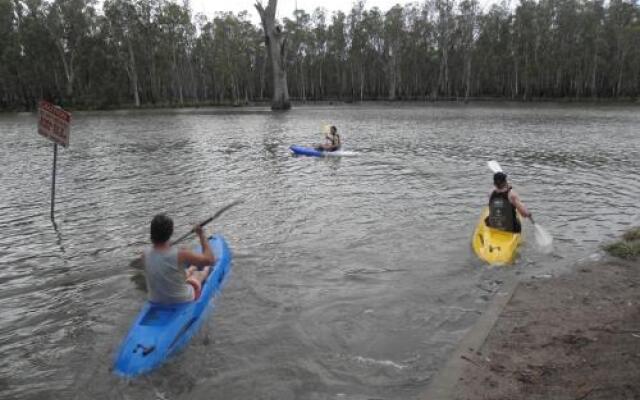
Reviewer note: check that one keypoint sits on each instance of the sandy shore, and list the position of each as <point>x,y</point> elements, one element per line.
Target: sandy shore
<point>576,336</point>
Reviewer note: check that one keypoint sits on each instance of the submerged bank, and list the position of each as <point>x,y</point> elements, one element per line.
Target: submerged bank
<point>576,336</point>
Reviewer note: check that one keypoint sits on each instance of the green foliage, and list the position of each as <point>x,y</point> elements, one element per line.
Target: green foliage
<point>627,248</point>
<point>155,52</point>
<point>632,235</point>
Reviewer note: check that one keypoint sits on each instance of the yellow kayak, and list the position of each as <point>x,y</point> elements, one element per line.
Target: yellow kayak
<point>495,246</point>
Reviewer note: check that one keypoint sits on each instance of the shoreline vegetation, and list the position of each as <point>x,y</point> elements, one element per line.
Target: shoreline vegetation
<point>627,248</point>
<point>80,54</point>
<point>337,102</point>
<point>575,336</point>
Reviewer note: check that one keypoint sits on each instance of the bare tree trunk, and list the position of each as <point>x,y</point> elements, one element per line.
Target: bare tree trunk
<point>361,82</point>
<point>177,77</point>
<point>392,68</point>
<point>392,85</point>
<point>526,77</point>
<point>276,42</point>
<point>343,82</point>
<point>621,59</point>
<point>262,78</point>
<point>320,79</point>
<point>68,70</point>
<point>467,80</point>
<point>594,71</point>
<point>443,42</point>
<point>133,74</point>
<point>516,91</point>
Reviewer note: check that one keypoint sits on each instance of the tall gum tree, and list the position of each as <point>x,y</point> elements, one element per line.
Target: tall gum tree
<point>70,22</point>
<point>276,42</point>
<point>122,18</point>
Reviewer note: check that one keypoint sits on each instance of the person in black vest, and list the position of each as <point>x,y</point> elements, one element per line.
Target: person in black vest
<point>503,203</point>
<point>332,141</point>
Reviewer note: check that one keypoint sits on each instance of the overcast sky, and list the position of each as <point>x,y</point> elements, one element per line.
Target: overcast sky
<point>286,7</point>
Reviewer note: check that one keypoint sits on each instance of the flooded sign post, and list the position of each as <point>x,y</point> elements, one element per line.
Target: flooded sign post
<point>54,123</point>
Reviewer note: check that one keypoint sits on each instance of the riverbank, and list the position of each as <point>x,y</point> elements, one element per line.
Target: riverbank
<point>339,102</point>
<point>575,336</point>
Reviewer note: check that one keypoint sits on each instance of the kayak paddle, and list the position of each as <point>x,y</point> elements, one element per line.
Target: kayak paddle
<point>205,222</point>
<point>494,166</point>
<point>137,263</point>
<point>543,238</point>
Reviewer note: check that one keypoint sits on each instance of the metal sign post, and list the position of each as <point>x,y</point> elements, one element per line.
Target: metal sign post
<point>53,179</point>
<point>54,123</point>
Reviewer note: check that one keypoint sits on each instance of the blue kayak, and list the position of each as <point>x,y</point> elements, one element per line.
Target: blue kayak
<point>162,330</point>
<point>312,152</point>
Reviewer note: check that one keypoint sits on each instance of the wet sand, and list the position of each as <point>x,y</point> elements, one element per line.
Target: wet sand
<point>576,336</point>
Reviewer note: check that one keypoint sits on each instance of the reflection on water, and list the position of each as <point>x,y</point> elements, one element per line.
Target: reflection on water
<point>352,277</point>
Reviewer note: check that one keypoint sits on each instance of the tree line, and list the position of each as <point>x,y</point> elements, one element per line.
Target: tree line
<point>157,52</point>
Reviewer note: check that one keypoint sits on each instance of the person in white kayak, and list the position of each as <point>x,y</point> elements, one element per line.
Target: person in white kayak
<point>168,279</point>
<point>503,203</point>
<point>332,141</point>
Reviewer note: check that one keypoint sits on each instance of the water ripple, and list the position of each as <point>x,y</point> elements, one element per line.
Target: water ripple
<point>353,277</point>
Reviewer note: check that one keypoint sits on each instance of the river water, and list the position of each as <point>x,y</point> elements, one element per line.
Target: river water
<point>353,278</point>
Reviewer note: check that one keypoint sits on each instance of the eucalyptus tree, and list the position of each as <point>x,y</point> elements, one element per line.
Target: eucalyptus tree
<point>176,34</point>
<point>146,52</point>
<point>319,50</point>
<point>356,44</point>
<point>337,50</point>
<point>594,20</point>
<point>494,52</point>
<point>70,22</point>
<point>468,30</point>
<point>444,30</point>
<point>394,35</point>
<point>275,40</point>
<point>9,53</point>
<point>374,56</point>
<point>624,39</point>
<point>300,51</point>
<point>122,20</point>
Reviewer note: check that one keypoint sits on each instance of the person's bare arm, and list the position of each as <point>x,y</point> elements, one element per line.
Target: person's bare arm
<point>199,260</point>
<point>517,203</point>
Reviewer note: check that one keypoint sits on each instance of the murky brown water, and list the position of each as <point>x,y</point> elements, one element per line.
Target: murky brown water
<point>353,278</point>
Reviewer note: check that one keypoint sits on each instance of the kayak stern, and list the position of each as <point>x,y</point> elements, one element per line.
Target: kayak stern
<point>494,246</point>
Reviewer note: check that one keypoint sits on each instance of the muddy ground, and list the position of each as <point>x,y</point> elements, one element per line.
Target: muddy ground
<point>576,337</point>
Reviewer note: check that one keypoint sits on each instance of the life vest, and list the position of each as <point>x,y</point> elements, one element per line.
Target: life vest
<point>502,214</point>
<point>333,141</point>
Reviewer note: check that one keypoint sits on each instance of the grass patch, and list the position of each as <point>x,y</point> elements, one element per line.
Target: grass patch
<point>627,248</point>
<point>632,235</point>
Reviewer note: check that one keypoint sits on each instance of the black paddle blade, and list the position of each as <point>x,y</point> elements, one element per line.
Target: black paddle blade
<point>136,263</point>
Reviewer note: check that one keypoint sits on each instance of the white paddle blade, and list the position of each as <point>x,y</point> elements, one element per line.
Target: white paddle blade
<point>326,129</point>
<point>494,166</point>
<point>543,239</point>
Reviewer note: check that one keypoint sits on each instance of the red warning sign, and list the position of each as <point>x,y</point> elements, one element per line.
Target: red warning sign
<point>54,123</point>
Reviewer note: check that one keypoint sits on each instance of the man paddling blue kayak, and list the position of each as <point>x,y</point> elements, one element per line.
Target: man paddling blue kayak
<point>168,278</point>
<point>179,298</point>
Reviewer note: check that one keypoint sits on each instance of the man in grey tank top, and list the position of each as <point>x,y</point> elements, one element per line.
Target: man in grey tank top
<point>168,278</point>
